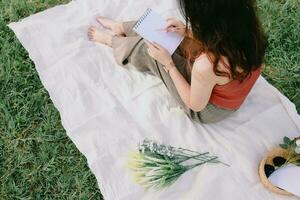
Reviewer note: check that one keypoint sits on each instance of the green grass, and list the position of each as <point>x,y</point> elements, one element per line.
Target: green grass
<point>38,160</point>
<point>281,19</point>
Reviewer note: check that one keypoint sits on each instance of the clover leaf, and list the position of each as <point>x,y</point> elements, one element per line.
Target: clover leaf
<point>287,140</point>
<point>284,146</point>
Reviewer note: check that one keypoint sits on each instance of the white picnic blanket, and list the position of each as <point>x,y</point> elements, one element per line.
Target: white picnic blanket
<point>106,109</point>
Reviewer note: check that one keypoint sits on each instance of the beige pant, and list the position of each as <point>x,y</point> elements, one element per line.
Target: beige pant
<point>132,49</point>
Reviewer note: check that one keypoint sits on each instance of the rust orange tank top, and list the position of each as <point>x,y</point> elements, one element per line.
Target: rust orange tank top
<point>233,94</point>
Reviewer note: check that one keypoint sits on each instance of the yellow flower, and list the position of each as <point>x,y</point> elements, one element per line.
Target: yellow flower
<point>134,161</point>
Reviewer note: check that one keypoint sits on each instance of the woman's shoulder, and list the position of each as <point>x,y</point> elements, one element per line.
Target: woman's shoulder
<point>207,59</point>
<point>204,65</point>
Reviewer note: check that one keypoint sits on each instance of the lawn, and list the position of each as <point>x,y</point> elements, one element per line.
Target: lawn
<point>38,160</point>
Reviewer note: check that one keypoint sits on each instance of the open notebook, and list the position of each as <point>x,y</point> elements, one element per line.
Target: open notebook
<point>149,27</point>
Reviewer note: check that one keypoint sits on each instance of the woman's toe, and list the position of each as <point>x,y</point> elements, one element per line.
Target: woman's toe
<point>92,29</point>
<point>91,37</point>
<point>91,33</point>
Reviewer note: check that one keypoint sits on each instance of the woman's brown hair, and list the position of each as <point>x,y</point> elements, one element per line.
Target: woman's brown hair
<point>228,28</point>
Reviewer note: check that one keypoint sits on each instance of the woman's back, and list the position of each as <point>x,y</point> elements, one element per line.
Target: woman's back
<point>228,93</point>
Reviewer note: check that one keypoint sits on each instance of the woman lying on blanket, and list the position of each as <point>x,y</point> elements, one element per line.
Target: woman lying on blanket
<point>216,65</point>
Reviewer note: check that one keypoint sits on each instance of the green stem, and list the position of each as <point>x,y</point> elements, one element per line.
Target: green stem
<point>294,159</point>
<point>207,161</point>
<point>195,165</point>
<point>289,153</point>
<point>192,157</point>
<point>225,164</point>
<point>189,150</point>
<point>180,153</point>
<point>204,158</point>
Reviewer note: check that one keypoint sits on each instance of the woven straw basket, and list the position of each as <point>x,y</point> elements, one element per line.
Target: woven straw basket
<point>269,160</point>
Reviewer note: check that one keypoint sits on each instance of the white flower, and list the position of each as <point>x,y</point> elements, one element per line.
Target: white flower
<point>297,150</point>
<point>298,143</point>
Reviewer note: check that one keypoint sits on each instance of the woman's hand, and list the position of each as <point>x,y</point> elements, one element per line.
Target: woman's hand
<point>160,54</point>
<point>174,25</point>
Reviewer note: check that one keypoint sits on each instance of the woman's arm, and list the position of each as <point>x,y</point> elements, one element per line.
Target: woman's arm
<point>182,86</point>
<point>196,95</point>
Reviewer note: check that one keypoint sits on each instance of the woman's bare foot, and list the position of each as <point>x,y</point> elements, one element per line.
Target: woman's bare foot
<point>96,35</point>
<point>115,26</point>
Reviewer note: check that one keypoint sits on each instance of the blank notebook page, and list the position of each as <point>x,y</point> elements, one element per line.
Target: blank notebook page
<point>147,27</point>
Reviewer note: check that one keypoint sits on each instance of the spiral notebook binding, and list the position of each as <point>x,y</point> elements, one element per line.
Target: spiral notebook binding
<point>147,12</point>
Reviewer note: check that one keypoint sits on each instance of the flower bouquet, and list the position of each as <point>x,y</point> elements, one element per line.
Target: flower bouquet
<point>287,153</point>
<point>158,166</point>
